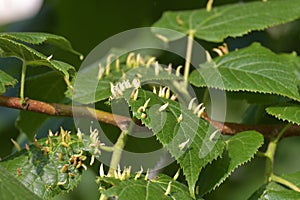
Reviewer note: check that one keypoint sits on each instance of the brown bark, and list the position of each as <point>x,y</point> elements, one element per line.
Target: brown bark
<point>81,111</point>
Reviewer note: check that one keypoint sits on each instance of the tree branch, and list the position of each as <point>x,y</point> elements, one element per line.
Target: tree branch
<point>54,109</point>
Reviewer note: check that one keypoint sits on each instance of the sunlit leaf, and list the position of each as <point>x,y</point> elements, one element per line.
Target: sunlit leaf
<point>253,69</point>
<point>11,188</point>
<point>145,189</point>
<point>290,113</point>
<point>38,38</point>
<point>188,140</point>
<point>240,149</point>
<point>229,20</point>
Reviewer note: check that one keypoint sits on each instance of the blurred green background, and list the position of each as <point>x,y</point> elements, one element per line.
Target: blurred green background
<point>87,23</point>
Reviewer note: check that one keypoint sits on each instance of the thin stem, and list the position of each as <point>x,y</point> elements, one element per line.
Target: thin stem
<point>123,122</point>
<point>117,153</point>
<point>23,75</point>
<point>284,182</point>
<point>280,134</point>
<point>188,56</point>
<point>270,153</point>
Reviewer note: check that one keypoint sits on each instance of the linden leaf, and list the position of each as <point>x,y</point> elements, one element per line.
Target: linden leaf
<point>290,113</point>
<point>5,81</point>
<point>145,189</point>
<point>240,149</point>
<point>229,20</point>
<point>253,69</point>
<point>188,140</point>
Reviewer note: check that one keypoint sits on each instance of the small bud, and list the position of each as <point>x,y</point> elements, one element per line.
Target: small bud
<point>64,169</point>
<point>141,109</point>
<point>183,144</point>
<point>62,182</point>
<point>139,60</point>
<point>208,56</point>
<point>108,62</point>
<point>136,83</point>
<point>17,146</point>
<point>79,134</point>
<point>49,57</point>
<point>27,147</point>
<point>92,160</point>
<point>179,21</point>
<point>130,60</point>
<point>211,137</point>
<point>218,51</point>
<point>101,170</point>
<point>138,174</point>
<point>163,92</point>
<point>167,95</point>
<point>134,94</point>
<point>160,92</point>
<point>176,175</point>
<point>156,69</point>
<point>178,70</point>
<point>107,69</point>
<point>84,166</point>
<point>173,97</point>
<point>143,116</point>
<point>117,64</point>
<point>179,119</point>
<point>60,156</point>
<point>169,68</point>
<point>36,144</point>
<point>138,75</point>
<point>201,111</point>
<point>168,191</point>
<point>150,61</point>
<point>119,171</point>
<point>196,110</point>
<point>163,107</point>
<point>163,38</point>
<point>154,90</point>
<point>147,175</point>
<point>112,89</point>
<point>146,104</point>
<point>50,133</point>
<point>50,141</point>
<point>191,103</point>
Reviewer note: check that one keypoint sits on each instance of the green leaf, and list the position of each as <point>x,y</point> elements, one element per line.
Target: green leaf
<point>11,48</point>
<point>194,132</point>
<point>290,113</point>
<point>144,189</point>
<point>230,20</point>
<point>37,38</point>
<point>5,81</point>
<point>240,149</point>
<point>92,89</point>
<point>46,168</point>
<point>253,69</point>
<point>11,188</point>
<point>275,191</point>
